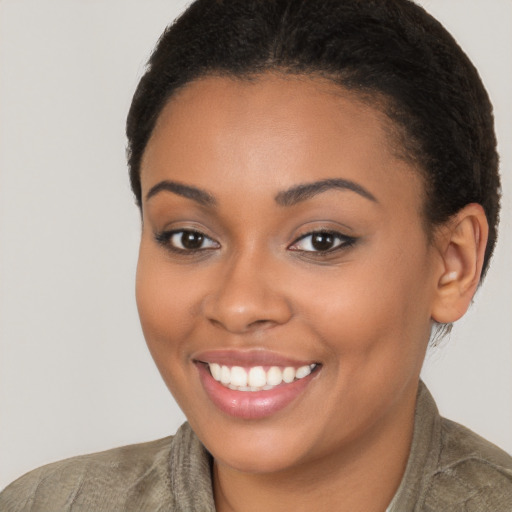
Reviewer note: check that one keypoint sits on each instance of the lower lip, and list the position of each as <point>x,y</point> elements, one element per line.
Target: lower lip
<point>251,405</point>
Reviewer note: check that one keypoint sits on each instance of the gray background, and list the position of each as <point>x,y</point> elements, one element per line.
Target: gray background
<point>75,375</point>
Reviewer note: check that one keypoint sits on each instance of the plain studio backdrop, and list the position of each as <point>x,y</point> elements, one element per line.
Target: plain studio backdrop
<point>75,374</point>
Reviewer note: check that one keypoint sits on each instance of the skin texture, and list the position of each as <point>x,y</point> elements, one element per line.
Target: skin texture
<point>363,311</point>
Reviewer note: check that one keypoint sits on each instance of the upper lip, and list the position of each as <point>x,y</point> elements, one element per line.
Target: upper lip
<point>247,358</point>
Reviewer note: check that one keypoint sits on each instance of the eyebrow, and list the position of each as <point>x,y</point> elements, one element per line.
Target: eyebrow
<point>288,197</point>
<point>306,191</point>
<point>198,195</point>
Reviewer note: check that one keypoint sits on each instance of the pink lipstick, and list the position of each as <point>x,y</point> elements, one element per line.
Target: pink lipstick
<point>253,385</point>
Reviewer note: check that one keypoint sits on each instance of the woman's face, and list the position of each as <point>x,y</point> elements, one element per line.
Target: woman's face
<point>282,235</point>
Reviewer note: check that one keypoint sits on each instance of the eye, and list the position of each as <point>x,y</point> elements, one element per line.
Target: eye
<point>322,242</point>
<point>186,240</point>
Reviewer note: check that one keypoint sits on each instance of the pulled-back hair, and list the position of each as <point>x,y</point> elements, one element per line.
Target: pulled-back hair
<point>388,50</point>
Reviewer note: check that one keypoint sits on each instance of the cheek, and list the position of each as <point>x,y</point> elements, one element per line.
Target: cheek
<point>373,319</point>
<point>374,308</point>
<point>165,301</point>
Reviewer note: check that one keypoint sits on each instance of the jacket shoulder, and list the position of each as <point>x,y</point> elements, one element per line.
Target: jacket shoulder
<point>133,477</point>
<point>472,474</point>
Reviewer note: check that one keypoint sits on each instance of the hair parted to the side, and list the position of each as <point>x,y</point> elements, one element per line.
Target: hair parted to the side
<point>390,49</point>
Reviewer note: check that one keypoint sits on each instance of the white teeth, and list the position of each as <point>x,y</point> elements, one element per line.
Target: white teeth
<point>274,376</point>
<point>289,374</point>
<point>257,379</point>
<point>238,376</point>
<point>215,370</point>
<point>302,372</point>
<point>225,375</point>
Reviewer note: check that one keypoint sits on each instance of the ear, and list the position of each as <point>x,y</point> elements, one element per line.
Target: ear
<point>461,244</point>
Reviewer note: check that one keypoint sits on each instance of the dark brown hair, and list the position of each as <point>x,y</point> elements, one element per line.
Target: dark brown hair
<point>390,49</point>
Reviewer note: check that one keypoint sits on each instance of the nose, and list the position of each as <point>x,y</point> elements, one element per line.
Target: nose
<point>247,296</point>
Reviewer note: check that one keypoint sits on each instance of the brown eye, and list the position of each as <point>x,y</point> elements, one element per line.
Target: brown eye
<point>186,240</point>
<point>191,239</point>
<point>322,242</point>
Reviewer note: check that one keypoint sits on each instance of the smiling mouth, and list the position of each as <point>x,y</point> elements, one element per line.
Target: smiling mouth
<point>256,384</point>
<point>257,378</point>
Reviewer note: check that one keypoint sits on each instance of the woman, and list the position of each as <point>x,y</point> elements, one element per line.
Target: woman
<point>319,192</point>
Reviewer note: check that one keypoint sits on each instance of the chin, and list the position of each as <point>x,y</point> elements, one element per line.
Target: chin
<point>268,462</point>
<point>256,450</point>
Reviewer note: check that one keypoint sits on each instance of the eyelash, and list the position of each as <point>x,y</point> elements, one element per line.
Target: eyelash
<point>343,242</point>
<point>165,238</point>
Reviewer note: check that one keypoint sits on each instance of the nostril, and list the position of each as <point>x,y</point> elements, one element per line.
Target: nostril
<point>242,327</point>
<point>260,323</point>
<point>242,303</point>
<point>214,322</point>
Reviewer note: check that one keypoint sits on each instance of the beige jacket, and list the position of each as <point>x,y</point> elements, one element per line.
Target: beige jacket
<point>450,469</point>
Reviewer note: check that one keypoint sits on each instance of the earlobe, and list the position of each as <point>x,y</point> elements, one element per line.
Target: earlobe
<point>461,244</point>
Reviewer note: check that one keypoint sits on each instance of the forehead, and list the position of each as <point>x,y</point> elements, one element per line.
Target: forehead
<point>277,130</point>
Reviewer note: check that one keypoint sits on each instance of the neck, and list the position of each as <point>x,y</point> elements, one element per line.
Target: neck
<point>360,477</point>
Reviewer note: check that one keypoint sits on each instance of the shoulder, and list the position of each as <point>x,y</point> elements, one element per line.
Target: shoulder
<point>472,474</point>
<point>136,474</point>
<point>170,474</point>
